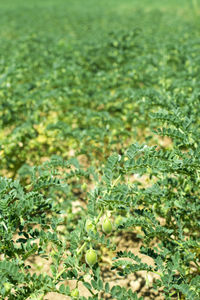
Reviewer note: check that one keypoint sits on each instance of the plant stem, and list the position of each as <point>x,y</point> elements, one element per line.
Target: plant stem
<point>41,297</point>
<point>59,274</point>
<point>115,182</point>
<point>98,217</point>
<point>81,249</point>
<point>156,273</point>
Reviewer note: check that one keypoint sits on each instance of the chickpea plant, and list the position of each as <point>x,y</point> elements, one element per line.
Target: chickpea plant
<point>24,207</point>
<point>99,138</point>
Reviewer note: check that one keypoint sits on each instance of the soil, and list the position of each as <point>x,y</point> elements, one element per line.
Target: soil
<point>137,282</point>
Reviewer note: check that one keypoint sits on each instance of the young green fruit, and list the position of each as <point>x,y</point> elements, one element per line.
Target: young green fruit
<point>75,293</point>
<point>118,220</point>
<point>107,226</point>
<point>91,257</point>
<point>84,186</point>
<point>89,226</point>
<point>7,286</point>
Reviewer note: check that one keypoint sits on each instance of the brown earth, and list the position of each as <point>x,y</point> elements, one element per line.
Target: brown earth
<point>140,282</point>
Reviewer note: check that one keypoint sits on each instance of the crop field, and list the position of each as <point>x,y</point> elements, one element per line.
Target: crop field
<point>99,149</point>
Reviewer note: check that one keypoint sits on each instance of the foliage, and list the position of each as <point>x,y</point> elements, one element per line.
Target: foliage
<point>99,106</point>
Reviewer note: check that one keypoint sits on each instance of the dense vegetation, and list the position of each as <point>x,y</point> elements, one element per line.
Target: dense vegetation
<point>99,137</point>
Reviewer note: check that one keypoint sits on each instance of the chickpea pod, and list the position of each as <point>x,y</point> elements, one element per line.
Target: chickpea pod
<point>91,257</point>
<point>107,226</point>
